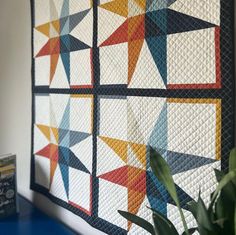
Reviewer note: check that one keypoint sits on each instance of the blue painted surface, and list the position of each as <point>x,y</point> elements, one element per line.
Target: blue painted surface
<point>32,221</point>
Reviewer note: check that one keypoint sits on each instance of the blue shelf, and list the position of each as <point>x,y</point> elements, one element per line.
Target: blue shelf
<point>30,220</point>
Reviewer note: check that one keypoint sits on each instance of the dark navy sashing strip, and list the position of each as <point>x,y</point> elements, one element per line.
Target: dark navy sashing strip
<point>96,74</point>
<point>183,93</point>
<point>228,80</point>
<point>32,164</point>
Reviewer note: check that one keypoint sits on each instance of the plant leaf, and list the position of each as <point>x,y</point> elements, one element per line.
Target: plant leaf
<point>191,231</point>
<point>220,211</point>
<point>203,218</point>
<point>232,160</point>
<point>220,222</point>
<point>222,214</point>
<point>139,221</point>
<point>163,225</point>
<point>219,175</point>
<point>225,180</point>
<point>235,219</point>
<point>232,163</point>
<point>192,206</point>
<point>229,190</point>
<point>162,171</point>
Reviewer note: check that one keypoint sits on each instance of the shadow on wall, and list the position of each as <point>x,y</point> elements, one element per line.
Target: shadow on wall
<point>42,177</point>
<point>45,204</point>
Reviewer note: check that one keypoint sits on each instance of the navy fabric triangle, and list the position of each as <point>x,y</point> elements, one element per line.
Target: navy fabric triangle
<point>184,198</point>
<point>77,137</point>
<point>66,62</point>
<point>154,188</point>
<point>62,133</point>
<point>77,164</point>
<point>180,162</point>
<point>151,29</point>
<point>76,44</point>
<point>65,177</point>
<point>156,20</point>
<point>64,155</point>
<point>178,22</point>
<point>63,47</point>
<point>158,205</point>
<point>65,40</point>
<point>158,49</point>
<point>153,185</point>
<point>77,18</point>
<point>167,21</point>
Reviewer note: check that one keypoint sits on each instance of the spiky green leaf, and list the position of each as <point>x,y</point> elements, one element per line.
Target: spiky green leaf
<point>162,225</point>
<point>139,221</point>
<point>232,160</point>
<point>203,218</point>
<point>192,206</point>
<point>229,190</point>
<point>163,173</point>
<point>191,231</point>
<point>225,180</point>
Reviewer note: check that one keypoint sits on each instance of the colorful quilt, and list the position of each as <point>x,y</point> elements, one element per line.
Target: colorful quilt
<point>112,78</point>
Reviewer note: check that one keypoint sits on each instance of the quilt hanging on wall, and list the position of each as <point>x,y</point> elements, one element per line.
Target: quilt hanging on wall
<point>112,78</point>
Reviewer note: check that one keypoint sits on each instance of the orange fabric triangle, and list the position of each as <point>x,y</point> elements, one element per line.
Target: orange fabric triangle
<point>45,130</point>
<point>53,166</point>
<point>120,147</point>
<point>53,160</point>
<point>54,61</point>
<point>119,7</point>
<point>55,45</point>
<point>134,49</point>
<point>44,29</point>
<point>53,152</point>
<point>135,200</point>
<point>140,152</point>
<point>137,179</point>
<point>137,27</point>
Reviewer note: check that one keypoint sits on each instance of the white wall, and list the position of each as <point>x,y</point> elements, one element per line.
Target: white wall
<point>15,103</point>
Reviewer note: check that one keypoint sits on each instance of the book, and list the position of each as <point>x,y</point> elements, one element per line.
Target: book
<point>8,188</point>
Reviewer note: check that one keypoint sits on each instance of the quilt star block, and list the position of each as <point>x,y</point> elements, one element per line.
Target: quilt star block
<point>64,38</point>
<point>60,143</point>
<point>148,29</point>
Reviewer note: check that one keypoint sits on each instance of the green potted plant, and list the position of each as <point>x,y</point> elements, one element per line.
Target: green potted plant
<point>219,218</point>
